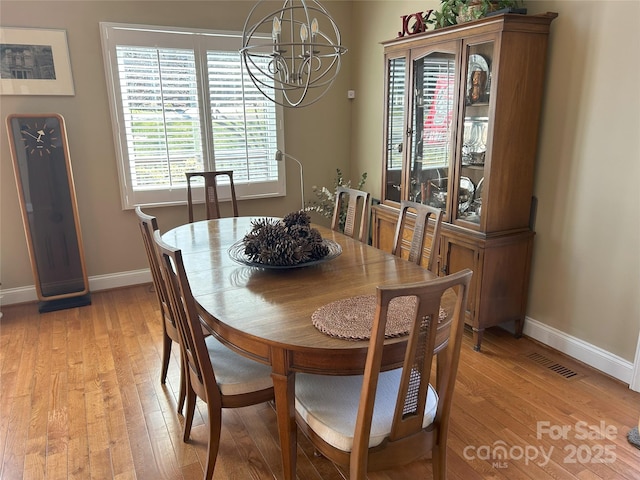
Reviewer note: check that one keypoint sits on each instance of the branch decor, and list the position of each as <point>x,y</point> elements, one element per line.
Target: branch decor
<point>326,199</point>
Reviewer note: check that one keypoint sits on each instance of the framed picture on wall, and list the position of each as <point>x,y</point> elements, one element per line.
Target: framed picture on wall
<point>34,61</point>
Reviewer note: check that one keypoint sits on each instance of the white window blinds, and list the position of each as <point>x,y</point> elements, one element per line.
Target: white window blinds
<point>180,103</point>
<point>435,80</point>
<point>159,99</point>
<point>396,112</point>
<point>244,140</point>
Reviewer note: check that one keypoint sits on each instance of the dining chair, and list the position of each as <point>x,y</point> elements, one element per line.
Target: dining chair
<point>380,420</point>
<point>218,375</point>
<point>149,224</point>
<point>211,199</point>
<point>420,232</point>
<point>350,205</point>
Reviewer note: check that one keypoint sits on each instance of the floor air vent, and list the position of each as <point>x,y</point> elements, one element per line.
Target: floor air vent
<point>552,365</point>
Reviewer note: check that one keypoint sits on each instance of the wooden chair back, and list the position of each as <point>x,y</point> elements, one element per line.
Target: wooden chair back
<point>411,423</point>
<point>211,199</point>
<point>200,355</point>
<point>184,310</point>
<point>148,225</point>
<point>421,230</point>
<point>352,205</point>
<point>427,337</point>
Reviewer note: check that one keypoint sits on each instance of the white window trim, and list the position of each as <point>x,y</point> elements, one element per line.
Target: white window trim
<point>176,195</point>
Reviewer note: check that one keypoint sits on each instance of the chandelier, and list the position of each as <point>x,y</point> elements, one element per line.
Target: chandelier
<point>296,64</point>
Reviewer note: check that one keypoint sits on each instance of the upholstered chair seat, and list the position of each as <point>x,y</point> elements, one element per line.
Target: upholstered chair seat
<point>235,374</point>
<point>329,405</point>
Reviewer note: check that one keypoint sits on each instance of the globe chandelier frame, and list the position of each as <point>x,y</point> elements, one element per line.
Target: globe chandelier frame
<point>304,53</point>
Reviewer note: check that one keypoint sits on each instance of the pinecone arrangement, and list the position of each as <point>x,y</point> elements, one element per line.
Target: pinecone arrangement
<point>285,242</point>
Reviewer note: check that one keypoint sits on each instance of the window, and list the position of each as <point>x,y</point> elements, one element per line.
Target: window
<point>180,101</point>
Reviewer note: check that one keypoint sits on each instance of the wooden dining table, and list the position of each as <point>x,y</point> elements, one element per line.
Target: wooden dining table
<point>266,314</point>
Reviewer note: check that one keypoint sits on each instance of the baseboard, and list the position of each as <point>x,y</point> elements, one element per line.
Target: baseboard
<point>97,283</point>
<point>593,356</point>
<point>635,377</point>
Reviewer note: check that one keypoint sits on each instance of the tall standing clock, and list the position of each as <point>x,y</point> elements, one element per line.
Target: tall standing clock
<point>42,168</point>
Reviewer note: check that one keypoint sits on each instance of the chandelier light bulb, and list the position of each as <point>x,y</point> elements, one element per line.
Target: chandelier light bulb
<point>277,28</point>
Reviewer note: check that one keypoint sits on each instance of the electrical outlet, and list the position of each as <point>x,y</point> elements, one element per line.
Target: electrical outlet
<point>351,94</point>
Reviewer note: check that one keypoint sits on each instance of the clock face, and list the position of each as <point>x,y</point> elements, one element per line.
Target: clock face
<point>40,135</point>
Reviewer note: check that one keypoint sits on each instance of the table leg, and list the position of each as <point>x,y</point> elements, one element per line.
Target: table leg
<point>284,390</point>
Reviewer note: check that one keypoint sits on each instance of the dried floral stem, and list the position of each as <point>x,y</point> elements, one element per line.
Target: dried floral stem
<point>326,199</point>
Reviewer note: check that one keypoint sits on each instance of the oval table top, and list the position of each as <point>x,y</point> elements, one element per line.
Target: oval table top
<point>254,308</point>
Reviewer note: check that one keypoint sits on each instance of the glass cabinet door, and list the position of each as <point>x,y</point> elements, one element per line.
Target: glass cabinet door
<point>475,131</point>
<point>431,128</point>
<point>396,115</point>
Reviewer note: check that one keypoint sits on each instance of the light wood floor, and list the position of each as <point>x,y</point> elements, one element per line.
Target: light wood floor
<point>81,399</point>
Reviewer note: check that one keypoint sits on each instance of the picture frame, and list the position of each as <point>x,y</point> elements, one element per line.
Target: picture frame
<point>34,61</point>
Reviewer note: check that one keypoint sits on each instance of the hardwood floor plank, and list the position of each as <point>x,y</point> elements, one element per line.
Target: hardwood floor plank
<point>58,418</point>
<point>139,433</point>
<point>40,378</point>
<point>121,453</point>
<point>78,446</point>
<point>185,453</point>
<point>254,421</point>
<point>100,464</point>
<point>161,448</point>
<point>28,358</point>
<point>57,465</point>
<point>98,435</point>
<point>34,466</point>
<point>458,466</point>
<point>81,398</point>
<point>16,438</point>
<point>7,383</point>
<point>78,456</point>
<point>243,438</point>
<point>15,321</point>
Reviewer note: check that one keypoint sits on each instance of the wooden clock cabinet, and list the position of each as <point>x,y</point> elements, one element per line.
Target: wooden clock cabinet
<point>462,109</point>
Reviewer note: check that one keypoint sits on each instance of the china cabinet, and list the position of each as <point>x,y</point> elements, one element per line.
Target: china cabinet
<point>462,108</point>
